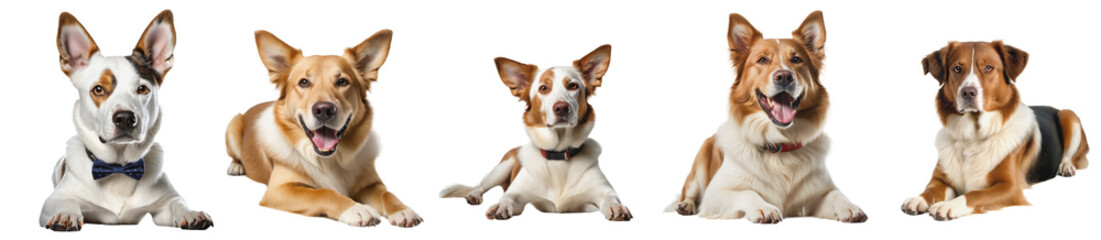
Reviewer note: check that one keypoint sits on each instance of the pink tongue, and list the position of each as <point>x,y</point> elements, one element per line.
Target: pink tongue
<point>324,139</point>
<point>783,113</point>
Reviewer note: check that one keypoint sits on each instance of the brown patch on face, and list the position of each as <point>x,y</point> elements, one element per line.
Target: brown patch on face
<point>995,65</point>
<point>534,116</point>
<point>104,87</point>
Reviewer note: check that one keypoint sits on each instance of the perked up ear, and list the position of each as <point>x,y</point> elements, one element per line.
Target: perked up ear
<point>1014,60</point>
<point>935,63</point>
<point>154,49</point>
<point>74,44</point>
<point>277,56</point>
<point>593,65</point>
<point>369,55</point>
<point>740,36</point>
<point>517,76</point>
<point>812,34</point>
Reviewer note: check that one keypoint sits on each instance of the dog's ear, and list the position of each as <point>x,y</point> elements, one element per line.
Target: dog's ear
<point>593,65</point>
<point>740,36</point>
<point>155,48</point>
<point>812,34</point>
<point>74,44</point>
<point>369,55</point>
<point>935,63</point>
<point>277,56</point>
<point>1014,60</point>
<point>517,76</point>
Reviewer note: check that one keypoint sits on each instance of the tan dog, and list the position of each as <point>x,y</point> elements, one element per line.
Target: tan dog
<point>314,146</point>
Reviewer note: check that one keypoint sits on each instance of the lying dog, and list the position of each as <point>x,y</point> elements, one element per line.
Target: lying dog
<point>992,145</point>
<point>314,147</point>
<point>767,161</point>
<point>557,171</point>
<point>111,171</point>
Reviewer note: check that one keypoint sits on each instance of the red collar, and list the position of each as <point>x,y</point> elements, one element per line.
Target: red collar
<point>782,147</point>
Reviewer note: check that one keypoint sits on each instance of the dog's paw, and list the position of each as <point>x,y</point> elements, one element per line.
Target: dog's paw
<point>360,215</point>
<point>500,212</point>
<point>1067,169</point>
<point>915,206</point>
<point>65,222</point>
<point>949,210</point>
<point>194,220</point>
<point>765,215</point>
<point>617,212</point>
<point>851,214</point>
<point>235,169</point>
<point>474,198</point>
<point>686,208</point>
<point>405,218</point>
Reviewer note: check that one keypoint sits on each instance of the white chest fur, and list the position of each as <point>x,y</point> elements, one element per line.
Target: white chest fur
<point>970,147</point>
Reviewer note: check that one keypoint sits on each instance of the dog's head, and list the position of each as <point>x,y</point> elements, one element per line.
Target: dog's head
<point>777,79</point>
<point>118,95</point>
<point>557,97</point>
<point>976,77</point>
<point>323,98</point>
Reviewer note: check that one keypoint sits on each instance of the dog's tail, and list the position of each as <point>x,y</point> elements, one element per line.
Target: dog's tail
<point>456,191</point>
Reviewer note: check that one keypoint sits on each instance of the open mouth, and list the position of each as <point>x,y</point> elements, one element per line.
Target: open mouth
<point>780,108</point>
<point>324,138</point>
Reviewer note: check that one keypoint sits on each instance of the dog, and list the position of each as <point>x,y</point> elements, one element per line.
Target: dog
<point>111,171</point>
<point>558,171</point>
<point>767,161</point>
<point>314,146</point>
<point>992,145</point>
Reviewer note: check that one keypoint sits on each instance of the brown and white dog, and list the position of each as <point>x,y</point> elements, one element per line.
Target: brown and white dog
<point>767,162</point>
<point>558,170</point>
<point>314,146</point>
<point>992,145</point>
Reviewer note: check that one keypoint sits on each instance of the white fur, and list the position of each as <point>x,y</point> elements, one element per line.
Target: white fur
<point>559,93</point>
<point>971,80</point>
<point>967,154</point>
<point>1066,166</point>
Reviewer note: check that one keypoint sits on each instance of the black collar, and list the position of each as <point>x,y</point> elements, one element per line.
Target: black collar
<point>561,155</point>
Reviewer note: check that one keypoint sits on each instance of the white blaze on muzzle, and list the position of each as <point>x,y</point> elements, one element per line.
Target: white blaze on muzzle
<point>971,80</point>
<point>560,93</point>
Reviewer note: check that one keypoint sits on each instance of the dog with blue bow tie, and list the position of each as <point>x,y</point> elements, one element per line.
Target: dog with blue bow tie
<point>111,171</point>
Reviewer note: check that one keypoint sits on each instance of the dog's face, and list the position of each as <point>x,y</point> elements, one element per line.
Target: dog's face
<point>778,77</point>
<point>556,97</point>
<point>321,96</point>
<point>976,77</point>
<point>118,95</point>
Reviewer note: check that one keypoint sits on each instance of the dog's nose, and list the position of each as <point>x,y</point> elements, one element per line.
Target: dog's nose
<point>324,111</point>
<point>969,93</point>
<point>561,109</point>
<point>783,78</point>
<point>124,120</point>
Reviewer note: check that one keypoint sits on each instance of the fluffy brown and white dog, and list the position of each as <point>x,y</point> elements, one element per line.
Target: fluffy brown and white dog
<point>111,171</point>
<point>314,146</point>
<point>992,145</point>
<point>557,171</point>
<point>767,161</point>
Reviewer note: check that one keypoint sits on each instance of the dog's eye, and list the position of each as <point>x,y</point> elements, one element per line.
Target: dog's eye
<point>143,90</point>
<point>957,69</point>
<point>342,82</point>
<point>989,68</point>
<point>98,91</point>
<point>762,60</point>
<point>796,59</point>
<point>303,83</point>
<point>572,86</point>
<point>543,89</point>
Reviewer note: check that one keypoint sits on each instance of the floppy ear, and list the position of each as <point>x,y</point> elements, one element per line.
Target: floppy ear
<point>517,76</point>
<point>277,56</point>
<point>1014,60</point>
<point>740,36</point>
<point>154,49</point>
<point>74,44</point>
<point>812,34</point>
<point>593,65</point>
<point>934,63</point>
<point>369,55</point>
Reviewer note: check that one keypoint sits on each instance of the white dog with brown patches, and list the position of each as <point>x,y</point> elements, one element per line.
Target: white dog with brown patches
<point>111,172</point>
<point>767,162</point>
<point>557,171</point>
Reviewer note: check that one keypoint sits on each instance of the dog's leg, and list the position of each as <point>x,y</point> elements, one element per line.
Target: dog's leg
<point>936,191</point>
<point>501,175</point>
<point>729,204</point>
<point>1074,144</point>
<point>378,197</point>
<point>1005,190</point>
<point>234,134</point>
<point>512,204</point>
<point>838,207</point>
<point>61,213</point>
<point>173,212</point>
<point>708,160</point>
<point>291,191</point>
<point>613,210</point>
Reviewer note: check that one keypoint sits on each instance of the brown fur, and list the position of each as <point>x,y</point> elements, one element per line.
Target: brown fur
<point>1006,182</point>
<point>710,158</point>
<point>936,190</point>
<point>999,93</point>
<point>107,81</point>
<point>67,19</point>
<point>1067,119</point>
<point>512,155</point>
<point>520,78</point>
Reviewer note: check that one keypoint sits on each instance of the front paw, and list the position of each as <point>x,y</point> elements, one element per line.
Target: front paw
<point>474,198</point>
<point>1067,169</point>
<point>405,218</point>
<point>915,206</point>
<point>500,212</point>
<point>617,212</point>
<point>851,214</point>
<point>65,222</point>
<point>764,215</point>
<point>235,169</point>
<point>949,210</point>
<point>360,215</point>
<point>195,220</point>
<point>686,208</point>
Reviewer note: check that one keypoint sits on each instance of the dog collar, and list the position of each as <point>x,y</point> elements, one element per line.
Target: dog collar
<point>101,169</point>
<point>561,155</point>
<point>781,147</point>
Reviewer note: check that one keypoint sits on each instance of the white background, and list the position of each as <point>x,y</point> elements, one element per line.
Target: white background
<point>444,116</point>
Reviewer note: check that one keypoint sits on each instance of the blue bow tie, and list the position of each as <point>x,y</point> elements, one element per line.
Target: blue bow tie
<point>101,169</point>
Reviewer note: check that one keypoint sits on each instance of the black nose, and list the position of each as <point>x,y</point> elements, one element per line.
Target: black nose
<point>124,121</point>
<point>561,109</point>
<point>783,78</point>
<point>969,93</point>
<point>324,111</point>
